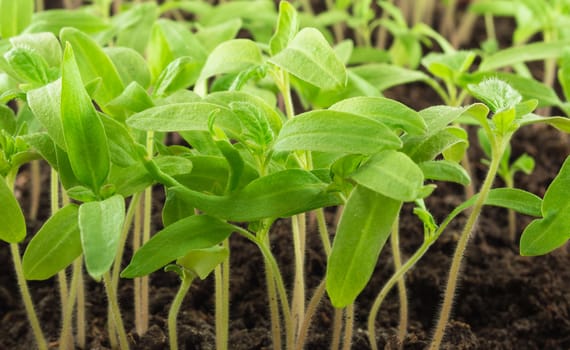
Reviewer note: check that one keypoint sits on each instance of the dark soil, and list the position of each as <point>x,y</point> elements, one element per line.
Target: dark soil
<point>505,301</point>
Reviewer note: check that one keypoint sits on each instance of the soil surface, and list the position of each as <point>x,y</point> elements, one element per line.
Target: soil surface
<point>504,301</point>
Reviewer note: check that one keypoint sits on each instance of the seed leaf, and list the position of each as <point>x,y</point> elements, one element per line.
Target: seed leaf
<point>392,174</point>
<point>130,65</point>
<point>310,58</point>
<point>12,222</point>
<point>363,229</point>
<point>93,63</point>
<point>287,27</point>
<point>280,194</point>
<point>334,131</point>
<point>100,224</point>
<point>203,261</point>
<point>55,246</point>
<point>232,56</point>
<point>544,235</point>
<point>523,53</point>
<point>392,113</point>
<point>175,241</point>
<point>54,20</point>
<point>191,116</point>
<point>45,103</point>
<point>444,170</point>
<point>83,131</point>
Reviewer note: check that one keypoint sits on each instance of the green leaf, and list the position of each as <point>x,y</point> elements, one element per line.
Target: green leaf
<point>392,113</point>
<point>213,35</point>
<point>384,76</point>
<point>185,117</point>
<point>523,53</point>
<point>363,229</point>
<point>524,163</point>
<point>130,65</point>
<point>175,208</point>
<point>280,194</point>
<point>56,245</point>
<point>45,103</point>
<point>15,16</point>
<point>560,123</point>
<point>133,99</point>
<point>179,74</point>
<point>422,149</point>
<point>29,66</point>
<point>287,28</point>
<point>527,87</point>
<point>12,222</point>
<point>553,230</point>
<point>269,112</point>
<point>438,118</point>
<point>45,44</point>
<point>496,94</point>
<point>444,170</point>
<point>203,261</point>
<point>333,131</point>
<point>175,241</point>
<point>83,130</point>
<point>100,224</point>
<point>93,63</point>
<point>170,40</point>
<point>230,57</point>
<point>55,20</point>
<point>135,25</point>
<point>310,58</point>
<point>392,174</point>
<point>7,119</point>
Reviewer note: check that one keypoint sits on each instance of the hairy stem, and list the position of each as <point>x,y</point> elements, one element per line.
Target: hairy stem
<point>311,310</point>
<point>348,327</point>
<point>185,284</point>
<point>27,298</point>
<point>80,313</point>
<point>397,276</point>
<point>136,243</point>
<point>66,332</point>
<point>273,307</point>
<point>395,243</point>
<point>36,189</point>
<point>298,302</point>
<point>337,329</point>
<point>222,282</point>
<point>462,245</point>
<point>115,311</point>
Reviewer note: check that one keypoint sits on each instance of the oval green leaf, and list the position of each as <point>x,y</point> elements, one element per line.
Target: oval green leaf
<point>363,229</point>
<point>333,131</point>
<point>100,224</point>
<point>56,245</point>
<point>175,241</point>
<point>12,222</point>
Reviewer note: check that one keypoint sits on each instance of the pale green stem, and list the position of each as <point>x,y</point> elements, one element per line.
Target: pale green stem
<point>490,26</point>
<point>142,318</point>
<point>382,32</point>
<point>185,284</point>
<point>67,327</point>
<point>395,243</point>
<point>222,281</point>
<point>338,28</point>
<point>511,213</point>
<point>337,329</point>
<point>115,311</point>
<point>36,189</point>
<point>323,231</point>
<point>462,245</point>
<point>420,9</point>
<point>27,298</point>
<point>80,316</point>
<point>273,307</point>
<point>348,327</point>
<point>311,310</point>
<point>68,4</point>
<point>136,243</point>
<point>39,5</point>
<point>298,302</point>
<point>387,287</point>
<point>129,217</point>
<point>307,8</point>
<point>117,7</point>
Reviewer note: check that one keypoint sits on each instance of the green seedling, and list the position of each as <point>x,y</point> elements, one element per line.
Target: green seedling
<point>507,171</point>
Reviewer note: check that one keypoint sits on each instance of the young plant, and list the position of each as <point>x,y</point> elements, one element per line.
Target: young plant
<point>509,114</point>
